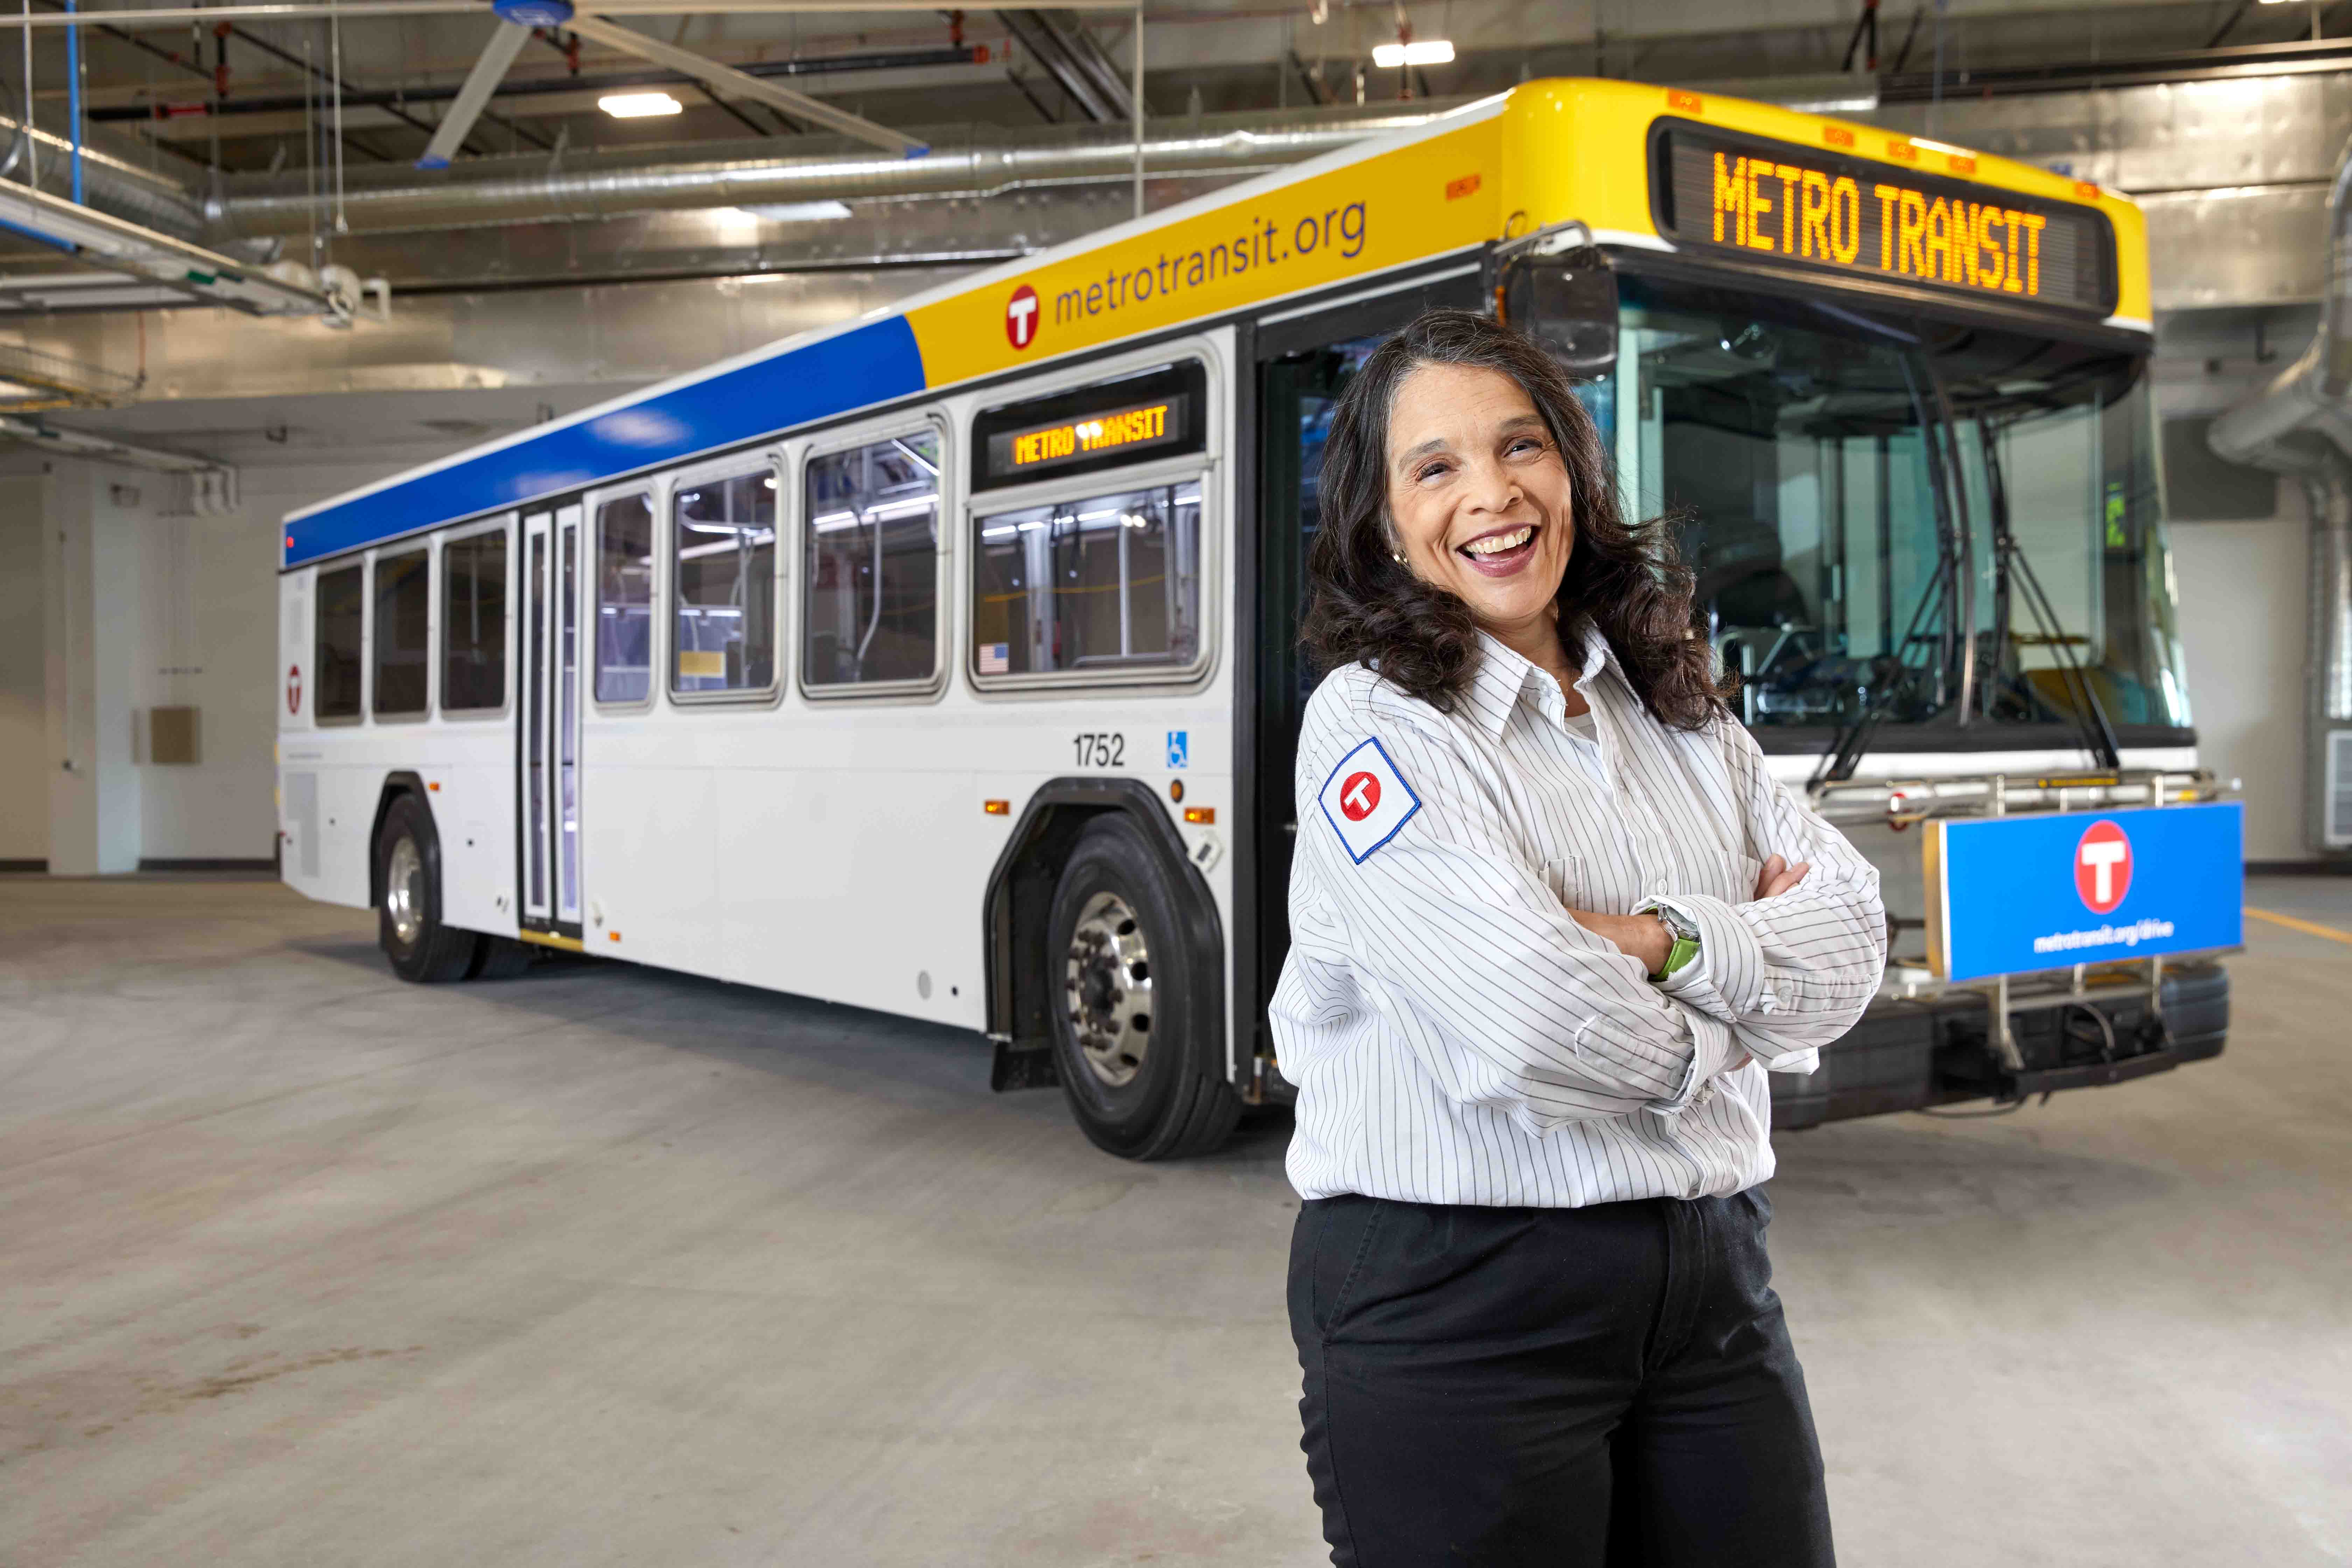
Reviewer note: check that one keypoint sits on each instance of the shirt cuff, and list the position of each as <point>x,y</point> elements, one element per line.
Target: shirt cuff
<point>1711,1051</point>
<point>1727,978</point>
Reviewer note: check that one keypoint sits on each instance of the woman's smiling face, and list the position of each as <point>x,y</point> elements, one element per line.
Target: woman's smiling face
<point>1479,495</point>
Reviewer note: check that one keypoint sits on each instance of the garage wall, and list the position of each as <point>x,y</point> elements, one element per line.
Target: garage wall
<point>212,643</point>
<point>2242,622</point>
<point>24,749</point>
<point>2240,557</point>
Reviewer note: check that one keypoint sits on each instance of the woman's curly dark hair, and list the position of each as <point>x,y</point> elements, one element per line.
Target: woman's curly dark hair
<point>1366,607</point>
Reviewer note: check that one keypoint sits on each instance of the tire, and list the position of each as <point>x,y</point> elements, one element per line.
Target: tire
<point>1135,1049</point>
<point>500,958</point>
<point>408,910</point>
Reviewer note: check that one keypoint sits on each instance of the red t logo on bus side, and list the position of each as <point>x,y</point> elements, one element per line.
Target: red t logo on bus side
<point>1020,316</point>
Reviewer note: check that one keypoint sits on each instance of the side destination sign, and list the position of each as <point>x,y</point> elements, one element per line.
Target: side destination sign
<point>1054,446</point>
<point>1782,205</point>
<point>2008,895</point>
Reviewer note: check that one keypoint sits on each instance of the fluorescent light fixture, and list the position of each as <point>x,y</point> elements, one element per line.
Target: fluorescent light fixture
<point>797,211</point>
<point>1426,52</point>
<point>638,105</point>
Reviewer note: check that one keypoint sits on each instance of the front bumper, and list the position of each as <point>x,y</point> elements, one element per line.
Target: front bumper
<point>1907,1054</point>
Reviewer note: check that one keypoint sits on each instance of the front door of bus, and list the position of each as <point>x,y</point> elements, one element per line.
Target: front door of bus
<point>549,778</point>
<point>1303,363</point>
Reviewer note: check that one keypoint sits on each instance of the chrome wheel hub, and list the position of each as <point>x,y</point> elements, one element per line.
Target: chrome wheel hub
<point>404,891</point>
<point>1108,989</point>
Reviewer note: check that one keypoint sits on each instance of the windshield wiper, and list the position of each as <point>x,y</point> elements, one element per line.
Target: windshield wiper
<point>1949,590</point>
<point>2011,565</point>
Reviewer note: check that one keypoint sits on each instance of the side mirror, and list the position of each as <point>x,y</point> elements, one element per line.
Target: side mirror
<point>1568,304</point>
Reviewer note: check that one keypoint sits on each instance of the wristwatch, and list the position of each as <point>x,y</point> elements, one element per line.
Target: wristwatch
<point>1685,946</point>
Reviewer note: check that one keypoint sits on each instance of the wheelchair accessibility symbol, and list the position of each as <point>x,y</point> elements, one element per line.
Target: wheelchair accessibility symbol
<point>1178,748</point>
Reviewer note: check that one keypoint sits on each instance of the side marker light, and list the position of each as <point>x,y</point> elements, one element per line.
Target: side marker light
<point>1175,789</point>
<point>612,936</point>
<point>435,788</point>
<point>997,808</point>
<point>1203,815</point>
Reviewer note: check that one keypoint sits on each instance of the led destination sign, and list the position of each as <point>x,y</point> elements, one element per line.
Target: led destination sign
<point>1777,203</point>
<point>1127,419</point>
<point>1050,446</point>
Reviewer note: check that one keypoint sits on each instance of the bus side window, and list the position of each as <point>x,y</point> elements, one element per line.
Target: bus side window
<point>1107,583</point>
<point>404,604</point>
<point>723,582</point>
<point>473,621</point>
<point>341,615</point>
<point>624,599</point>
<point>870,590</point>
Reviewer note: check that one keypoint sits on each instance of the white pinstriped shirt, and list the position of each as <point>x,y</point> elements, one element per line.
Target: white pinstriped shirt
<point>1456,1037</point>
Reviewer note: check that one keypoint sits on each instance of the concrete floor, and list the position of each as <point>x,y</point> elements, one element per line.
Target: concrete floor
<point>601,1266</point>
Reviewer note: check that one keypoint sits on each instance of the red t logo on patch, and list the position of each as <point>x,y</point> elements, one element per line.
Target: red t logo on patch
<point>1020,316</point>
<point>1360,797</point>
<point>2102,867</point>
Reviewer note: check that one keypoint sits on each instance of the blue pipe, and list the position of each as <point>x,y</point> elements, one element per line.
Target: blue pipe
<point>73,97</point>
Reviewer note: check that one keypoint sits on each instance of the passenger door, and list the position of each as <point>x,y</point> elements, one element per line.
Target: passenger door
<point>548,719</point>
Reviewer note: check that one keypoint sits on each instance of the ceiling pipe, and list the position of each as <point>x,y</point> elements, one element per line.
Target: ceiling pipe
<point>975,169</point>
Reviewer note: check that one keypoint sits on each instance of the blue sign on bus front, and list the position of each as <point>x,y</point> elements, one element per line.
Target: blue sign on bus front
<point>2012,894</point>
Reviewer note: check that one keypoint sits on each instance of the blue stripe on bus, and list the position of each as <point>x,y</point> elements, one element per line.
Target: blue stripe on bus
<point>867,365</point>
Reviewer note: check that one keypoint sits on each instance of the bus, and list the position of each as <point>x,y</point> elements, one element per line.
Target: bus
<point>945,661</point>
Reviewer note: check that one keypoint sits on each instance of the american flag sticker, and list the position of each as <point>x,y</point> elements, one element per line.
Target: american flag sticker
<point>995,658</point>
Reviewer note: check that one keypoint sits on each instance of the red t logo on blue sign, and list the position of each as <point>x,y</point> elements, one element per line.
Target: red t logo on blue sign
<point>2102,867</point>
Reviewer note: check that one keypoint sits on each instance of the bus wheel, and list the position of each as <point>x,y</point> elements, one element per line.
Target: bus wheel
<point>1137,1059</point>
<point>408,917</point>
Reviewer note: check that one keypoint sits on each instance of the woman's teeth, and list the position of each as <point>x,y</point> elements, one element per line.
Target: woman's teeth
<point>1495,543</point>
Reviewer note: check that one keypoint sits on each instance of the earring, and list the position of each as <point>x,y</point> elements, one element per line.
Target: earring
<point>1396,557</point>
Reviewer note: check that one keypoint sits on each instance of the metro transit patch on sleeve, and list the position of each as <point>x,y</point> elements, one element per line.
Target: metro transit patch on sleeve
<point>1366,800</point>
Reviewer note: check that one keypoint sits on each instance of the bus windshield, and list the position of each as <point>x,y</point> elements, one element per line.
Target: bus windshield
<point>1930,527</point>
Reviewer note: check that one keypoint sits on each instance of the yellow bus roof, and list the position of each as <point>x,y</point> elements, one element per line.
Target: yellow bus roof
<point>1546,152</point>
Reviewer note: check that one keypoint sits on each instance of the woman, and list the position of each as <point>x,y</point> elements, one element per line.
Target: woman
<point>1551,922</point>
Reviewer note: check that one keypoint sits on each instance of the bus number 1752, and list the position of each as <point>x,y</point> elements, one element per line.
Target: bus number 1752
<point>1100,750</point>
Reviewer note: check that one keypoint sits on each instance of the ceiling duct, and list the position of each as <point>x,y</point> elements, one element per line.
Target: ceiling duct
<point>1243,145</point>
<point>114,185</point>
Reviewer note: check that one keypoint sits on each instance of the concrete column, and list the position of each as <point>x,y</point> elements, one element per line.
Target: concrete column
<point>92,635</point>
<point>24,695</point>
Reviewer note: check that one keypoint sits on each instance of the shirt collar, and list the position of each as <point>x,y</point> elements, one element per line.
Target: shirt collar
<point>1505,678</point>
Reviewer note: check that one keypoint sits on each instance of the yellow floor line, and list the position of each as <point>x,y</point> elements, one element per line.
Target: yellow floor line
<point>2308,928</point>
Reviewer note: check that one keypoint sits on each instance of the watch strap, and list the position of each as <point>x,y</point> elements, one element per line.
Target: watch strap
<point>1685,946</point>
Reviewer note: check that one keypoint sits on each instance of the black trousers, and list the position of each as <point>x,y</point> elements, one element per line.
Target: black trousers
<point>1563,1387</point>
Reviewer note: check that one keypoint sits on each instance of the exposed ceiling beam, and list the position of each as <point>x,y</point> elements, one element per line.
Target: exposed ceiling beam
<point>307,10</point>
<point>901,70</point>
<point>733,83</point>
<point>1070,55</point>
<point>490,70</point>
<point>80,445</point>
